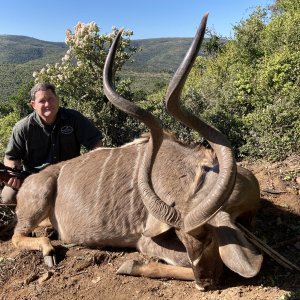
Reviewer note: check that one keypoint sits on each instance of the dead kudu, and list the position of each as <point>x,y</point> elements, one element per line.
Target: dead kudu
<point>166,199</point>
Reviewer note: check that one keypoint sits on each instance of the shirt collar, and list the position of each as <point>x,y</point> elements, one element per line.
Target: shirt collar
<point>62,113</point>
<point>37,119</point>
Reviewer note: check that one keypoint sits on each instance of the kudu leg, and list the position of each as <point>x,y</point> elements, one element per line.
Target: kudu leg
<point>34,205</point>
<point>28,218</point>
<point>21,241</point>
<point>155,270</point>
<point>160,247</point>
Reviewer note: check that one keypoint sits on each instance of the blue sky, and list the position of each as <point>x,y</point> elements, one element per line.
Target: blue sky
<point>48,20</point>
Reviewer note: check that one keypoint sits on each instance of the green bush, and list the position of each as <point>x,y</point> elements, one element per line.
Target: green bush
<point>273,131</point>
<point>6,125</point>
<point>250,88</point>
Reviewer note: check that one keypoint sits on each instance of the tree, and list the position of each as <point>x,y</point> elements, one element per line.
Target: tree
<point>250,89</point>
<point>213,43</point>
<point>11,112</point>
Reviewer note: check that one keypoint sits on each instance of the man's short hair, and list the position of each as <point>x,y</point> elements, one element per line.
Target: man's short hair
<point>44,86</point>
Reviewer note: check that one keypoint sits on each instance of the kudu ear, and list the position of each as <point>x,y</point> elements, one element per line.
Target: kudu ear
<point>235,251</point>
<point>155,227</point>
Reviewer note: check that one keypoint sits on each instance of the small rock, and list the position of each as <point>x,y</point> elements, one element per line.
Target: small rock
<point>46,276</point>
<point>298,180</point>
<point>96,280</point>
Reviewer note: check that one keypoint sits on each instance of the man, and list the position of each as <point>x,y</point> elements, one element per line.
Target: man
<point>48,135</point>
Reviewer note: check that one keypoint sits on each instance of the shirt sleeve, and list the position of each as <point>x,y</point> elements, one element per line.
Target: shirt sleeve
<point>16,146</point>
<point>87,134</point>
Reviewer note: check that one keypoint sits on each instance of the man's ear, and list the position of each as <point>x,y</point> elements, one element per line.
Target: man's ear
<point>32,103</point>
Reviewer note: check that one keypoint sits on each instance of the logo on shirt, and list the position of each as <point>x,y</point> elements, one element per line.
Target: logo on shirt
<point>67,129</point>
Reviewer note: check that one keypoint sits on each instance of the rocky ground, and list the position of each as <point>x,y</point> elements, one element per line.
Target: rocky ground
<point>90,274</point>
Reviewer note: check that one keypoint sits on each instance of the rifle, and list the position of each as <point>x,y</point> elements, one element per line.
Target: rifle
<point>6,173</point>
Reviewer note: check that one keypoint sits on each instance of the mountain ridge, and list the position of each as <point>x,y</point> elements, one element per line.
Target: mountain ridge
<point>21,55</point>
<point>157,53</point>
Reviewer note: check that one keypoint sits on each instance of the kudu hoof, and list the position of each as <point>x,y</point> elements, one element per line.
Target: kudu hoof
<point>127,267</point>
<point>205,285</point>
<point>50,260</point>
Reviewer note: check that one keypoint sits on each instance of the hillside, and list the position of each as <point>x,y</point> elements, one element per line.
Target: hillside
<point>21,55</point>
<point>16,49</point>
<point>161,54</point>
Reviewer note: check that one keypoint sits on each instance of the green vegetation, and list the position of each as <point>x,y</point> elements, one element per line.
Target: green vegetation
<point>248,86</point>
<point>20,56</point>
<point>21,49</point>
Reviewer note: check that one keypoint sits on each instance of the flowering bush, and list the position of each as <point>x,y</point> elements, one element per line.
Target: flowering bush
<point>78,77</point>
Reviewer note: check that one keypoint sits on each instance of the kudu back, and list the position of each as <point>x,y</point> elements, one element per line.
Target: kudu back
<point>158,195</point>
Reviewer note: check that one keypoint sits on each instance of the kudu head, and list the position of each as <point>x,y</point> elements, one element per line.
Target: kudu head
<point>187,221</point>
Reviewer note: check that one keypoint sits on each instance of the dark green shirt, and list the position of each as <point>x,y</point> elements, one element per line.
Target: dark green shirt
<point>37,144</point>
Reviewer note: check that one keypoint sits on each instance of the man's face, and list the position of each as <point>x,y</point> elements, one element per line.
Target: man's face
<point>46,105</point>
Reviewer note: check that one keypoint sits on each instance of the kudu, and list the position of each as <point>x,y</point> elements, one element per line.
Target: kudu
<point>166,199</point>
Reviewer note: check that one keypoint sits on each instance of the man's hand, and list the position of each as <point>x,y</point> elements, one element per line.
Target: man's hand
<point>14,183</point>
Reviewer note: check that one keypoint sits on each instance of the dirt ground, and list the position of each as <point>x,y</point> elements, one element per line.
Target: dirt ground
<point>91,274</point>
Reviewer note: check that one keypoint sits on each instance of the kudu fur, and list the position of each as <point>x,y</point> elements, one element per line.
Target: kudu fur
<point>166,199</point>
